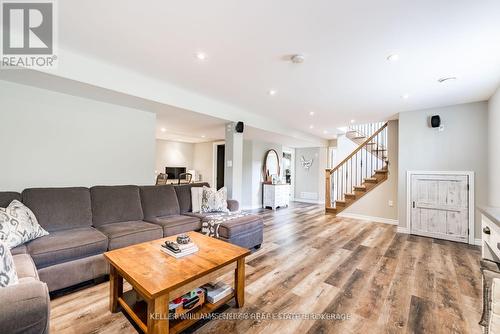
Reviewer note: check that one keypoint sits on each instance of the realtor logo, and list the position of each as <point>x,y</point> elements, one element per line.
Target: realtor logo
<point>28,34</point>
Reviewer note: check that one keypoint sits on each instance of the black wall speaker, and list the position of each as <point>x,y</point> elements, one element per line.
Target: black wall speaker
<point>435,121</point>
<point>239,127</point>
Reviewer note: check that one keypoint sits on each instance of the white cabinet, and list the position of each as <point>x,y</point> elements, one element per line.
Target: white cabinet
<point>276,195</point>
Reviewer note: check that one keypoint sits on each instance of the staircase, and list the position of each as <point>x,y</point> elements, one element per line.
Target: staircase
<point>361,171</point>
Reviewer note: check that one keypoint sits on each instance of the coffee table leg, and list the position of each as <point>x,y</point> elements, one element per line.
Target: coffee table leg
<point>239,283</point>
<point>116,289</point>
<point>158,315</point>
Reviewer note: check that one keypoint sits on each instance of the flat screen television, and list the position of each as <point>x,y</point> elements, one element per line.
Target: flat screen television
<point>174,172</point>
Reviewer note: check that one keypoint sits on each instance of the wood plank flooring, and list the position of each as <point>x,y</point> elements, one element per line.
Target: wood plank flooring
<point>311,263</point>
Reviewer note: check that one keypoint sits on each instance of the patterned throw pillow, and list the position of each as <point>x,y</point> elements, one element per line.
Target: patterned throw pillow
<point>214,200</point>
<point>8,275</point>
<point>18,225</point>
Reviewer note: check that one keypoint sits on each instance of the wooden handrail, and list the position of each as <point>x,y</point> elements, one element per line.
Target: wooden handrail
<point>357,149</point>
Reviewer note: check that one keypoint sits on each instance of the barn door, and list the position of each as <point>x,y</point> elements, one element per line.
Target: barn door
<point>439,206</point>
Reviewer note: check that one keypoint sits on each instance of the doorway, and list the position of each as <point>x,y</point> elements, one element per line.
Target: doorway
<point>288,169</point>
<point>220,155</point>
<point>441,205</point>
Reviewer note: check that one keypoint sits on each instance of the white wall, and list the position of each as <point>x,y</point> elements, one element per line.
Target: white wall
<point>52,139</point>
<point>310,184</point>
<point>203,161</point>
<point>173,154</point>
<point>254,152</point>
<point>494,149</point>
<point>462,146</point>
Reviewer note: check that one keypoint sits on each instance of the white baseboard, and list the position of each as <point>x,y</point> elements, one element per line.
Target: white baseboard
<point>403,229</point>
<point>370,218</point>
<point>478,242</point>
<point>312,201</point>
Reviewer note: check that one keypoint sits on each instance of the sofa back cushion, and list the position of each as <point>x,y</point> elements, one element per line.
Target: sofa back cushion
<point>59,208</point>
<point>159,201</point>
<point>113,204</point>
<point>183,192</point>
<point>8,196</point>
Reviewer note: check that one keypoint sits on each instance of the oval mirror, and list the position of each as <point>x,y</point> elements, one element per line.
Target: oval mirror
<point>271,164</point>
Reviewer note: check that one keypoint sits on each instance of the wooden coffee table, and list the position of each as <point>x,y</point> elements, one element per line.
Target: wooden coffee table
<point>157,278</point>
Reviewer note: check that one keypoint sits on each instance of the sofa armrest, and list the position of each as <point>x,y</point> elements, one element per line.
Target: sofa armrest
<point>233,205</point>
<point>25,307</point>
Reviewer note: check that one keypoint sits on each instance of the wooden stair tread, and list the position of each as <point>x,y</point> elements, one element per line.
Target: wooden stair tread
<point>359,137</point>
<point>384,171</point>
<point>359,187</point>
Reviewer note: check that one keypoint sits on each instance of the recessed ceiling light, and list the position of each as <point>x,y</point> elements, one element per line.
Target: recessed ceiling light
<point>393,57</point>
<point>405,96</point>
<point>297,59</point>
<point>311,126</point>
<point>353,121</point>
<point>163,130</point>
<point>325,131</point>
<point>272,92</point>
<point>201,56</point>
<point>203,136</point>
<point>444,79</point>
<point>311,113</point>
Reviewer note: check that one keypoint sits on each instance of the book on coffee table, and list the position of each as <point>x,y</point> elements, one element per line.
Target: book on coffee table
<point>186,249</point>
<point>217,291</point>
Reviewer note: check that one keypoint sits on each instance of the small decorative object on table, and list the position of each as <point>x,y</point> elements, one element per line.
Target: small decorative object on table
<point>183,239</point>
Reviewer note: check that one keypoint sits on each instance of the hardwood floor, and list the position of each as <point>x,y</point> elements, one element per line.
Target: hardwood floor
<point>380,281</point>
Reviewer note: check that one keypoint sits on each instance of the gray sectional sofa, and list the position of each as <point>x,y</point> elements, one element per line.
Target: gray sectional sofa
<point>83,223</point>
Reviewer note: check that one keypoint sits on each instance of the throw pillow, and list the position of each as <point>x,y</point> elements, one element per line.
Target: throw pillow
<point>8,275</point>
<point>214,200</point>
<point>196,198</point>
<point>18,225</point>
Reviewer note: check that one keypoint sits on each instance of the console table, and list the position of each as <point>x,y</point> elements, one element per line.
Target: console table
<point>276,195</point>
<point>490,225</point>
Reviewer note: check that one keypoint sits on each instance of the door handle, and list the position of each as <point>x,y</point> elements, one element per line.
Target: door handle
<point>486,230</point>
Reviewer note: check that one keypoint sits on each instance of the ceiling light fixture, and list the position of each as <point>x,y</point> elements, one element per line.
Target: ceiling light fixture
<point>272,92</point>
<point>203,136</point>
<point>311,113</point>
<point>311,126</point>
<point>353,121</point>
<point>393,58</point>
<point>405,96</point>
<point>201,56</point>
<point>163,130</point>
<point>444,79</point>
<point>325,132</point>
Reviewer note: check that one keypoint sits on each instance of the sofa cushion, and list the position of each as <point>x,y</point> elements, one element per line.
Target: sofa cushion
<point>25,267</point>
<point>8,196</point>
<point>59,208</point>
<point>176,224</point>
<point>240,225</point>
<point>113,204</point>
<point>67,245</point>
<point>21,249</point>
<point>130,233</point>
<point>159,201</point>
<point>183,192</point>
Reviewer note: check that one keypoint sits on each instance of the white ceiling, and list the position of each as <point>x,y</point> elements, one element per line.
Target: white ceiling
<point>345,76</point>
<point>179,124</point>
